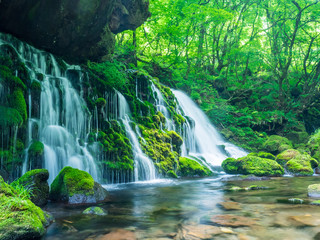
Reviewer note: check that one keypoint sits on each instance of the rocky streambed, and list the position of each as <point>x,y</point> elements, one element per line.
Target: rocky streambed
<point>222,207</point>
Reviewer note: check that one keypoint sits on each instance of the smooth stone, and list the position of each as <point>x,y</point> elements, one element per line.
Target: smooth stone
<point>230,205</point>
<point>118,234</point>
<point>314,190</point>
<point>230,220</point>
<point>197,232</point>
<point>305,220</point>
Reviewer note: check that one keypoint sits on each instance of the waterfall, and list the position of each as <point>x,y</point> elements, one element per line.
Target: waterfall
<point>201,139</point>
<point>162,107</point>
<point>144,168</point>
<point>63,117</point>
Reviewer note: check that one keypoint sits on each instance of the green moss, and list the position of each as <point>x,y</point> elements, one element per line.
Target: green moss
<point>286,155</point>
<point>301,165</point>
<point>19,218</point>
<point>9,117</point>
<point>8,79</point>
<point>252,165</point>
<point>35,87</point>
<point>266,155</point>
<point>18,102</point>
<point>36,149</point>
<point>100,103</point>
<point>95,211</point>
<point>71,181</point>
<point>191,168</point>
<point>276,144</point>
<point>157,146</point>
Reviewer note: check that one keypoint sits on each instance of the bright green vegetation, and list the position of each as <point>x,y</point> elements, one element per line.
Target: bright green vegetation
<point>252,165</point>
<point>71,181</point>
<point>115,146</point>
<point>20,218</point>
<point>302,165</point>
<point>157,146</point>
<point>13,109</point>
<point>276,144</point>
<point>287,155</point>
<point>251,85</point>
<point>191,168</point>
<point>36,149</point>
<point>36,182</point>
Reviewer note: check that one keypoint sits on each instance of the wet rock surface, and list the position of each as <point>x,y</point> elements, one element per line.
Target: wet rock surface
<point>75,30</point>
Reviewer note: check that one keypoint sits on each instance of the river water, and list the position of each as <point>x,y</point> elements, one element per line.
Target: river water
<point>184,209</point>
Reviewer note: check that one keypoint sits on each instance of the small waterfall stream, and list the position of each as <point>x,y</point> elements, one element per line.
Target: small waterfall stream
<point>201,139</point>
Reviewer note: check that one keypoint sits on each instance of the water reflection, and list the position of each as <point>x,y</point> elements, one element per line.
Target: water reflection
<point>159,210</point>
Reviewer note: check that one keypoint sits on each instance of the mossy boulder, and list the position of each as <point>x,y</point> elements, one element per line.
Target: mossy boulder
<point>301,165</point>
<point>74,186</point>
<point>286,156</point>
<point>252,165</point>
<point>20,218</point>
<point>263,155</point>
<point>191,168</point>
<point>298,137</point>
<point>176,140</point>
<point>276,144</point>
<point>95,211</point>
<point>37,181</point>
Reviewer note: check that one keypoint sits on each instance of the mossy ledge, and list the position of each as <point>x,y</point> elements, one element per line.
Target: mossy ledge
<point>19,217</point>
<point>74,186</point>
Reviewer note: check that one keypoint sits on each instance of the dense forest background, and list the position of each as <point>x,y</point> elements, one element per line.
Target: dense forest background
<point>253,66</point>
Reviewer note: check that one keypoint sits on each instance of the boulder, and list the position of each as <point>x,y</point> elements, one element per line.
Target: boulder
<point>191,168</point>
<point>20,218</point>
<point>276,144</point>
<point>75,30</point>
<point>95,211</point>
<point>74,186</point>
<point>252,165</point>
<point>287,155</point>
<point>37,181</point>
<point>301,165</point>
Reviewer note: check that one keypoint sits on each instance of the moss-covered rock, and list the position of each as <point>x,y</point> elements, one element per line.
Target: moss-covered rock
<point>10,117</point>
<point>37,181</point>
<point>95,211</point>
<point>191,168</point>
<point>74,186</point>
<point>252,165</point>
<point>20,218</point>
<point>276,144</point>
<point>301,165</point>
<point>18,102</point>
<point>287,155</point>
<point>263,155</point>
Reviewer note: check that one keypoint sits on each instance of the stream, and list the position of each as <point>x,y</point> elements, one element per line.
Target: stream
<point>167,209</point>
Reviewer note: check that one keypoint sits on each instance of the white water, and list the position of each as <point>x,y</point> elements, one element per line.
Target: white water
<point>144,169</point>
<point>201,139</point>
<point>162,107</point>
<point>63,113</point>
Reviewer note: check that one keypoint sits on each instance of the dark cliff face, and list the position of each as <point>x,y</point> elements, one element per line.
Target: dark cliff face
<point>77,30</point>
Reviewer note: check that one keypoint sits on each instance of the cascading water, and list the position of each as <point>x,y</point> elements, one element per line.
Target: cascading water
<point>162,107</point>
<point>144,169</point>
<point>201,139</point>
<point>63,117</point>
